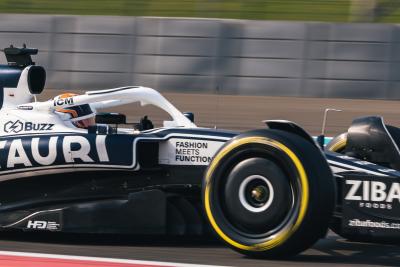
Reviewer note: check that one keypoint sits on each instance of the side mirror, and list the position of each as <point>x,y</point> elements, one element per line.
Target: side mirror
<point>110,118</point>
<point>189,115</point>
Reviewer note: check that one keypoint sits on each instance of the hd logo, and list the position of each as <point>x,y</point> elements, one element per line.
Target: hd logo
<point>43,225</point>
<point>18,126</point>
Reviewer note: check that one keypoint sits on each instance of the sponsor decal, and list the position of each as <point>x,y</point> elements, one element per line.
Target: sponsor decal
<point>18,126</point>
<point>177,151</point>
<point>373,224</point>
<point>64,101</point>
<point>68,149</point>
<point>50,151</point>
<point>43,225</point>
<point>13,126</point>
<point>25,107</point>
<point>373,194</point>
<point>371,202</point>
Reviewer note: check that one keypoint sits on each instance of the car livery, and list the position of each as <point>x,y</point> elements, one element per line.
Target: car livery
<point>270,192</point>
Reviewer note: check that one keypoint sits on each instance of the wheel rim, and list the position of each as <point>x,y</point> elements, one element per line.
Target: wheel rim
<point>253,204</point>
<point>256,193</point>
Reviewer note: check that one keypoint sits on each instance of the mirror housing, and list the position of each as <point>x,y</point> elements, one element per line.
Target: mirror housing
<point>110,118</point>
<point>36,79</point>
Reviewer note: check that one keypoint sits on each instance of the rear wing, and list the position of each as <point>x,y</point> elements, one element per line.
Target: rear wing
<point>20,56</point>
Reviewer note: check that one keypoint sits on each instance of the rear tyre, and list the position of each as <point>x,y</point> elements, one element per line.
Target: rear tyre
<point>338,143</point>
<point>269,193</point>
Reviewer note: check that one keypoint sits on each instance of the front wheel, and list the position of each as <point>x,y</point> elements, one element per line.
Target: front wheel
<point>269,193</point>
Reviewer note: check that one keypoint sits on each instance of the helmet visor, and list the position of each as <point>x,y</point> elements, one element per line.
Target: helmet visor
<point>85,123</point>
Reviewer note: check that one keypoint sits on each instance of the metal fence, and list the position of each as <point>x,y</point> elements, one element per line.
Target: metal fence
<point>212,55</point>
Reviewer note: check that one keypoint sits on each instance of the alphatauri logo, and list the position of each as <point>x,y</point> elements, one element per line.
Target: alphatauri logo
<point>46,151</point>
<point>18,126</point>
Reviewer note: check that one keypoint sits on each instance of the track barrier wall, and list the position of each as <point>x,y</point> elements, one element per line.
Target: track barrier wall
<point>277,58</point>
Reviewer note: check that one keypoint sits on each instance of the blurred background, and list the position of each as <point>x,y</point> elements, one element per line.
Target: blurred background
<point>271,48</point>
<point>314,10</point>
<point>308,48</point>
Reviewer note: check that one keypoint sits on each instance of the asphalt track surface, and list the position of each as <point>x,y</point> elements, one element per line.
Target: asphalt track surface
<point>239,113</point>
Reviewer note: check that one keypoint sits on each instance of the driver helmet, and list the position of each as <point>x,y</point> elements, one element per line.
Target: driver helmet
<point>82,116</point>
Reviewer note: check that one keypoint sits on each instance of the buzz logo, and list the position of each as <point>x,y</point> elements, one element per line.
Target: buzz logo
<point>63,101</point>
<point>18,126</point>
<point>13,126</point>
<point>43,225</point>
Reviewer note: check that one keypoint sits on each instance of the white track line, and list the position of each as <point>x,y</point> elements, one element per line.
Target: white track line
<point>99,259</point>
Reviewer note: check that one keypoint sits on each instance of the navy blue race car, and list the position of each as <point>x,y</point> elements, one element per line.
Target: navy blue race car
<point>270,192</point>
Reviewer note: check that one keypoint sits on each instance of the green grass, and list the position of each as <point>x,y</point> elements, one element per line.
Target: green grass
<point>313,10</point>
<point>321,10</point>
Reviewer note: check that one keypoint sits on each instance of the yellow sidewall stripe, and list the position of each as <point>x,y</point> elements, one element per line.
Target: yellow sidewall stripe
<point>339,145</point>
<point>280,236</point>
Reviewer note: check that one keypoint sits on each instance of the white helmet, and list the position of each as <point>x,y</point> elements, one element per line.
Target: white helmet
<point>82,116</point>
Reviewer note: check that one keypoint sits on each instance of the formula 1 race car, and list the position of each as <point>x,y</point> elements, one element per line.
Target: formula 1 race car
<point>270,192</point>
